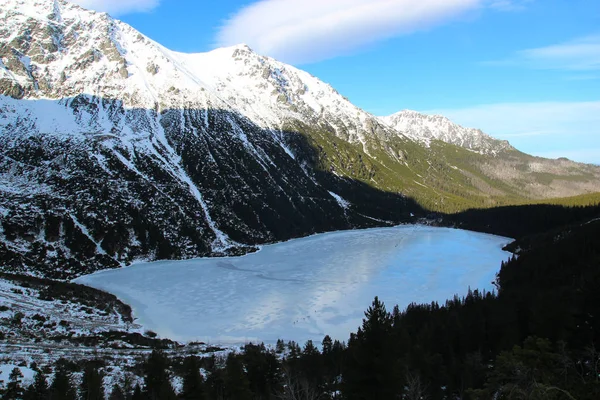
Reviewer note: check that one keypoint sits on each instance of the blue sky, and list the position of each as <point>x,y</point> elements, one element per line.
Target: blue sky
<point>523,70</point>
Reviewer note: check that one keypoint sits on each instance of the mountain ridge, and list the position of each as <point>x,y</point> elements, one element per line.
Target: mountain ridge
<point>426,127</point>
<point>114,148</point>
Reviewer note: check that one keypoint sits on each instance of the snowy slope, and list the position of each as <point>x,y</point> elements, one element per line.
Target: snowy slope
<point>61,50</point>
<point>119,149</point>
<point>115,149</point>
<point>424,128</point>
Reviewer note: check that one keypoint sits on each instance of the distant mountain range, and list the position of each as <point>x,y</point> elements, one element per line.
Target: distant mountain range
<point>114,148</point>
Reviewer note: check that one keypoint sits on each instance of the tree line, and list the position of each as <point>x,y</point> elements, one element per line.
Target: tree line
<point>536,336</point>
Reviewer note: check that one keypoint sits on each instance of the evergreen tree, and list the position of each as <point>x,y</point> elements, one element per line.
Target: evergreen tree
<point>529,372</point>
<point>236,382</point>
<point>14,390</point>
<point>116,393</point>
<point>61,388</point>
<point>370,370</point>
<point>311,363</point>
<point>167,392</point>
<point>137,393</point>
<point>327,344</point>
<point>280,346</point>
<point>157,385</point>
<point>38,390</point>
<point>193,383</point>
<point>92,384</point>
<point>215,383</point>
<point>293,357</point>
<point>262,370</point>
<point>127,386</point>
<point>294,350</point>
<point>332,364</point>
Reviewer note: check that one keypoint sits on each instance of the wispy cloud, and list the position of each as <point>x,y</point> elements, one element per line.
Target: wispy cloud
<point>118,7</point>
<point>509,5</point>
<point>582,54</point>
<point>301,31</point>
<point>554,129</point>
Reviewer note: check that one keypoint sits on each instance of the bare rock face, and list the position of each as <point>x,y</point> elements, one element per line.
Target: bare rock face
<point>424,128</point>
<point>114,149</point>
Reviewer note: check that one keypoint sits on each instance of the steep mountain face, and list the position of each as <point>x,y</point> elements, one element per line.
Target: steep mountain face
<point>114,148</point>
<point>424,128</point>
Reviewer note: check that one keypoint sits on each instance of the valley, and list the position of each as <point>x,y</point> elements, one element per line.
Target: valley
<point>114,149</point>
<point>160,210</point>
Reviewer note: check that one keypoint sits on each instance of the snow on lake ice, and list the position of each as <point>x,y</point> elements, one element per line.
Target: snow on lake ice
<point>304,288</point>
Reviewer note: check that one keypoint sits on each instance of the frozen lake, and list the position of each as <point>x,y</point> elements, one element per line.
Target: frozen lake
<point>305,288</point>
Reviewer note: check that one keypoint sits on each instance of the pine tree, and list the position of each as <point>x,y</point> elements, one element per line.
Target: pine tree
<point>92,384</point>
<point>116,393</point>
<point>262,370</point>
<point>61,388</point>
<point>327,344</point>
<point>236,383</point>
<point>38,390</point>
<point>370,368</point>
<point>311,364</point>
<point>157,384</point>
<point>127,386</point>
<point>331,370</point>
<point>167,392</point>
<point>14,390</point>
<point>137,393</point>
<point>280,346</point>
<point>193,383</point>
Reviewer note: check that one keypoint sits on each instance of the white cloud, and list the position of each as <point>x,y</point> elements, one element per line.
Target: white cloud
<point>582,54</point>
<point>301,31</point>
<point>555,129</point>
<point>118,7</point>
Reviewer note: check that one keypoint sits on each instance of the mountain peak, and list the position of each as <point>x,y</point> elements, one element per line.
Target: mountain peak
<point>242,47</point>
<point>424,128</point>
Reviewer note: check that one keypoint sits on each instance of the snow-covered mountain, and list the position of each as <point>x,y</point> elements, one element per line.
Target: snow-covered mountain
<point>108,136</point>
<point>114,148</point>
<point>56,50</point>
<point>424,128</point>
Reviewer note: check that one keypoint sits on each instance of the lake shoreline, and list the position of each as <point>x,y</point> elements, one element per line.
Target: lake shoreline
<point>247,279</point>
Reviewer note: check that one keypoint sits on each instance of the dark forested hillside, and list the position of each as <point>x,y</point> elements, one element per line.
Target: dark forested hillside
<point>525,220</point>
<point>536,337</point>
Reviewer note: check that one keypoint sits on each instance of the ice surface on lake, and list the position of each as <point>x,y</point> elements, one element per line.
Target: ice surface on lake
<point>304,288</point>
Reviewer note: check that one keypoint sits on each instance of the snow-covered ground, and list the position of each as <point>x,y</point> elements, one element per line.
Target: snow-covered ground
<point>6,369</point>
<point>304,288</point>
<point>26,314</point>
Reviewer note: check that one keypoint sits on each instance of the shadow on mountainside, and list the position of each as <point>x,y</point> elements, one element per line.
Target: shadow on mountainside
<point>119,185</point>
<point>128,184</point>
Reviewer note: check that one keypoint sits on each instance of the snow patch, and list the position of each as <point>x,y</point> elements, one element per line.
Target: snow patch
<point>342,203</point>
<point>6,369</point>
